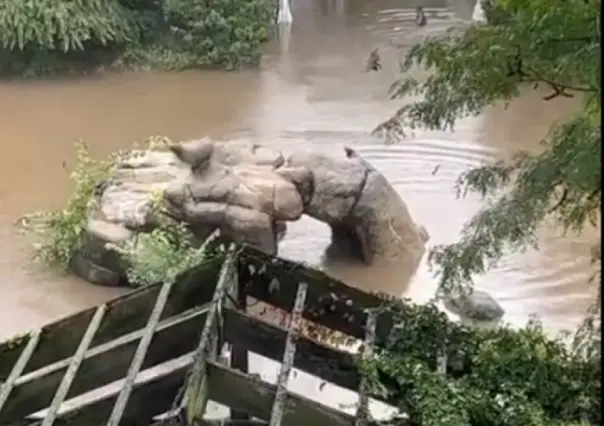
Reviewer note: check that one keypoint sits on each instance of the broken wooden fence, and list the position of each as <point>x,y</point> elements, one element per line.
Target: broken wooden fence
<point>201,312</point>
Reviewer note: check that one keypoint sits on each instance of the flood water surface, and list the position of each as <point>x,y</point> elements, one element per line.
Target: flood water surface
<point>313,92</point>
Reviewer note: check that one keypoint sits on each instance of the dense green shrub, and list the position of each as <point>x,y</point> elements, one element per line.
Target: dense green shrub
<point>48,36</point>
<point>495,377</point>
<point>44,35</point>
<point>228,33</point>
<point>62,25</point>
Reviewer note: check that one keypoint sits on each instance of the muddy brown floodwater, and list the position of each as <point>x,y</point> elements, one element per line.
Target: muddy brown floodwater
<point>312,91</point>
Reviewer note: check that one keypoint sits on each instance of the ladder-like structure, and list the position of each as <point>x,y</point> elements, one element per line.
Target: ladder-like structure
<point>209,348</point>
<point>161,348</point>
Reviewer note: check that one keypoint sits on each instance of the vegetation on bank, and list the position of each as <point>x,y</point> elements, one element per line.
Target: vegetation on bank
<point>157,256</point>
<point>163,254</point>
<point>60,36</point>
<point>60,231</point>
<point>441,373</point>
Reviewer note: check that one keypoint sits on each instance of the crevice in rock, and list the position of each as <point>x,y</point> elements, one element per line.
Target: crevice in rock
<point>359,193</point>
<point>311,192</point>
<point>346,241</point>
<point>345,244</point>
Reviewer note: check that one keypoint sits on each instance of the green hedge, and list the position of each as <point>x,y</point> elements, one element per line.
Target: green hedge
<point>494,377</point>
<point>46,36</point>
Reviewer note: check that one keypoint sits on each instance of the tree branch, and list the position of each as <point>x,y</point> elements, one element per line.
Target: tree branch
<point>559,89</point>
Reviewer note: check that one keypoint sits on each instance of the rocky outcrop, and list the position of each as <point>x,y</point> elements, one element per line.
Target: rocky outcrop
<point>477,305</point>
<point>249,192</point>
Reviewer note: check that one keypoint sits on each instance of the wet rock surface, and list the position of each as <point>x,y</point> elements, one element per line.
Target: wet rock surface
<point>478,305</point>
<point>249,192</point>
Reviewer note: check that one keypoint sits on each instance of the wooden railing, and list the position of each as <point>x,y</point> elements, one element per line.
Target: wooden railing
<point>164,324</point>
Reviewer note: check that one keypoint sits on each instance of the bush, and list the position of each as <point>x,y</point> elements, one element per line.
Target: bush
<point>61,231</point>
<point>45,34</point>
<point>164,253</point>
<point>497,377</point>
<point>158,256</point>
<point>228,33</point>
<point>50,36</point>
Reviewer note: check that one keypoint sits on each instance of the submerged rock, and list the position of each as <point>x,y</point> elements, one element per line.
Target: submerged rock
<point>478,306</point>
<point>249,192</point>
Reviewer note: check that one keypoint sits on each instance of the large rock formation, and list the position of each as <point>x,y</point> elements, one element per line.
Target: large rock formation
<point>249,192</point>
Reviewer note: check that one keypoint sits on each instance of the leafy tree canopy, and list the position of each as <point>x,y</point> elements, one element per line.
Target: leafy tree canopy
<point>503,376</point>
<point>537,43</point>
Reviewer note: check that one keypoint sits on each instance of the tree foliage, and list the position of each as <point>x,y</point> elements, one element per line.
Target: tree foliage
<point>221,32</point>
<point>503,376</point>
<point>535,44</point>
<point>59,25</point>
<point>48,36</point>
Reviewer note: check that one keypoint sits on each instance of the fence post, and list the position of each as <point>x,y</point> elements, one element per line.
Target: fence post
<point>210,343</point>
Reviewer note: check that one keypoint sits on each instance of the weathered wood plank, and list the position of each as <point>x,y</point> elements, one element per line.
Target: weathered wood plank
<point>57,341</point>
<point>125,314</point>
<point>148,399</point>
<point>329,302</point>
<point>254,396</point>
<point>363,414</point>
<point>74,365</point>
<point>226,386</point>
<point>211,342</point>
<point>221,422</point>
<point>18,368</point>
<point>139,355</point>
<point>239,354</point>
<point>104,364</point>
<point>328,364</point>
<point>268,340</point>
<point>288,357</point>
<point>233,422</point>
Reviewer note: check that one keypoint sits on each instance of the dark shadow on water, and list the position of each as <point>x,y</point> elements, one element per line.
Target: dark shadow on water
<point>342,259</point>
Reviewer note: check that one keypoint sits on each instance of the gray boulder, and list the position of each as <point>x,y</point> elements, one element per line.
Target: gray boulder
<point>360,206</point>
<point>249,192</point>
<point>477,305</point>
